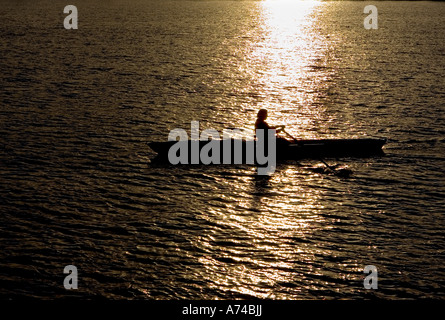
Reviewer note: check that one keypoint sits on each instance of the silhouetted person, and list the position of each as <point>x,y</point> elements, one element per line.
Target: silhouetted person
<point>261,123</point>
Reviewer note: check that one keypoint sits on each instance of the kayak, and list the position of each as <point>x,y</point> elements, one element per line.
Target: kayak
<point>285,150</point>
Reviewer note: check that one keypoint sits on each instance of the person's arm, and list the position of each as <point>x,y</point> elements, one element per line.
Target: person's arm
<point>278,128</point>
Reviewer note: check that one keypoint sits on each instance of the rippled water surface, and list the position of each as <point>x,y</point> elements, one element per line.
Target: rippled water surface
<point>78,185</point>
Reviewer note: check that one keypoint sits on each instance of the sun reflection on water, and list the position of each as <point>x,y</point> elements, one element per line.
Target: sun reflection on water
<point>265,220</point>
<point>282,63</point>
<point>260,233</point>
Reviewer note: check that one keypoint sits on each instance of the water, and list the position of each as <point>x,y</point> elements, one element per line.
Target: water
<point>78,188</point>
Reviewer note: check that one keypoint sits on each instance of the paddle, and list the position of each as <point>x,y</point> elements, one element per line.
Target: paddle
<point>343,172</point>
<point>293,138</point>
<point>327,165</point>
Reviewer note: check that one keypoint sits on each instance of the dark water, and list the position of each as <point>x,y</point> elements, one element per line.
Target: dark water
<point>77,186</point>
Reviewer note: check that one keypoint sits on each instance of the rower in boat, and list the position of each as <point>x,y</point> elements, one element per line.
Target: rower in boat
<point>296,149</point>
<point>261,123</point>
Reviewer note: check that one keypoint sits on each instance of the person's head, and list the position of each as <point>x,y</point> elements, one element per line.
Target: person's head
<point>262,114</point>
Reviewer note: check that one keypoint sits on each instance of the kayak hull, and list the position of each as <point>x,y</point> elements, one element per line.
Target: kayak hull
<point>285,150</point>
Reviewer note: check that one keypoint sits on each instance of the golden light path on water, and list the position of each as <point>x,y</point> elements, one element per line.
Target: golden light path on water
<point>283,58</point>
<point>264,213</point>
<point>263,221</point>
<point>289,51</point>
